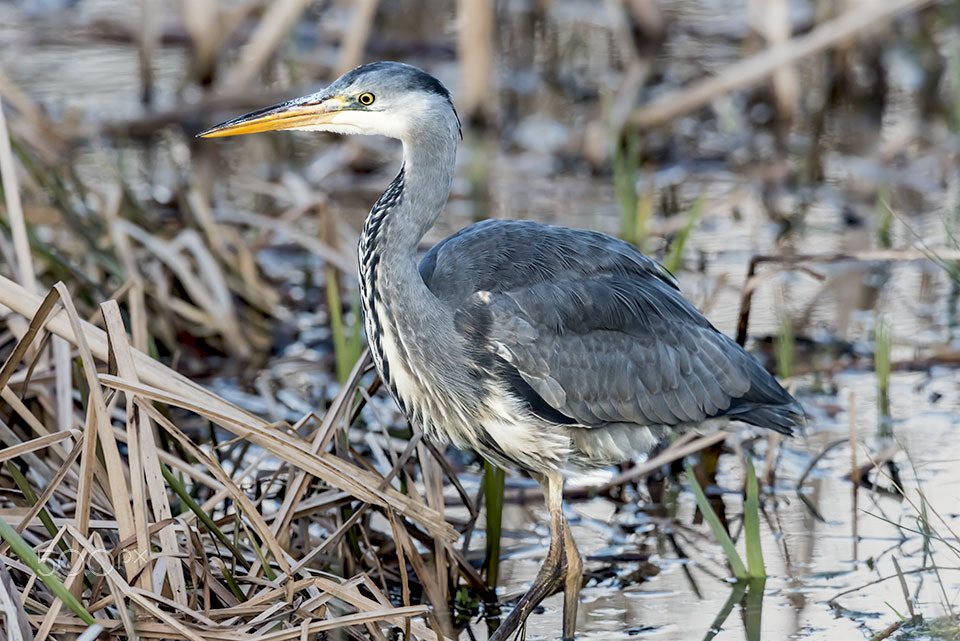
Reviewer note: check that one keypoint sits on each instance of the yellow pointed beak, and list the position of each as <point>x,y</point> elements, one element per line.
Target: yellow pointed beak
<point>294,114</point>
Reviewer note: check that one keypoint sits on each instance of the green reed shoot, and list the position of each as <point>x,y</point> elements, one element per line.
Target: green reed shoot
<point>494,481</point>
<point>633,210</point>
<point>32,499</point>
<point>884,218</point>
<point>753,609</point>
<point>751,525</point>
<point>883,343</point>
<point>347,340</point>
<point>180,490</point>
<point>754,569</point>
<point>674,259</point>
<point>719,532</point>
<point>785,348</point>
<point>23,550</point>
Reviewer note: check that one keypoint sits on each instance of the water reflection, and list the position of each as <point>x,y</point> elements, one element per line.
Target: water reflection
<point>749,595</point>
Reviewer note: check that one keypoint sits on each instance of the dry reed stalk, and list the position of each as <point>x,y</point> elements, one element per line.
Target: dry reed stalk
<point>354,39</point>
<point>354,598</point>
<point>681,448</point>
<point>36,444</point>
<point>441,613</point>
<point>41,126</point>
<point>341,259</point>
<point>298,486</point>
<point>99,424</point>
<point>18,627</point>
<point>121,242</point>
<point>231,248</point>
<point>117,595</point>
<point>73,582</point>
<point>63,387</point>
<point>350,619</point>
<point>141,440</point>
<point>11,192</point>
<point>433,490</point>
<point>52,547</point>
<point>203,21</point>
<point>771,19</point>
<point>49,490</point>
<point>129,592</point>
<point>249,510</point>
<point>360,483</point>
<point>475,49</point>
<point>800,262</point>
<point>25,339</point>
<point>761,65</point>
<point>202,279</point>
<point>120,352</point>
<point>178,390</point>
<point>148,39</point>
<point>276,22</point>
<point>649,15</point>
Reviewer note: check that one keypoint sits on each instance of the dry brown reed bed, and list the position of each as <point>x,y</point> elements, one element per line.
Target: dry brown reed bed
<point>225,570</point>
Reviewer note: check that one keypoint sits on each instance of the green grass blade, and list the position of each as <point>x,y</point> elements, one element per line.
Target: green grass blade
<point>32,499</point>
<point>231,582</point>
<point>785,349</point>
<point>751,526</point>
<point>883,345</point>
<point>23,550</point>
<point>674,259</point>
<point>719,533</point>
<point>626,163</point>
<point>194,507</point>
<point>267,570</point>
<point>347,339</point>
<point>753,609</point>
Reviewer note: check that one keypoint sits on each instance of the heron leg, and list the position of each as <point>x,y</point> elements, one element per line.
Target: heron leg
<point>554,568</point>
<point>572,583</point>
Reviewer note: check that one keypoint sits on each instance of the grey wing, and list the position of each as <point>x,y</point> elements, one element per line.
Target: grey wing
<point>588,331</point>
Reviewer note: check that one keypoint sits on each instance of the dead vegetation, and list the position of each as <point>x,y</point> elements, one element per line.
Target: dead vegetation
<point>161,509</point>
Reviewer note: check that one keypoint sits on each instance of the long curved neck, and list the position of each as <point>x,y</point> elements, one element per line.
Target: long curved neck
<point>426,178</point>
<point>407,210</point>
<point>405,322</point>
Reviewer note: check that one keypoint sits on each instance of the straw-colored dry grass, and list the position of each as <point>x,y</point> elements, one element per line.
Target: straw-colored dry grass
<point>138,556</point>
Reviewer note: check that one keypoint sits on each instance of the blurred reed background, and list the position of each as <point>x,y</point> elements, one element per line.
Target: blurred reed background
<point>210,457</point>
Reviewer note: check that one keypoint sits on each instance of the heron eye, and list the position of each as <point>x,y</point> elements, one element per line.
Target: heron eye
<point>366,99</point>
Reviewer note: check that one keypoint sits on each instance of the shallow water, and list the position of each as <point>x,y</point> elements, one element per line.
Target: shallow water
<point>809,561</point>
<point>535,172</point>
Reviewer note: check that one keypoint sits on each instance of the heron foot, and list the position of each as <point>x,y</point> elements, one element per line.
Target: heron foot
<point>562,568</point>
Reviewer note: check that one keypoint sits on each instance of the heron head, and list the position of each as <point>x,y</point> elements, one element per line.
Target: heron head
<point>382,98</point>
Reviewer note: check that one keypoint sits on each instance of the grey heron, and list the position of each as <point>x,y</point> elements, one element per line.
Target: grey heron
<point>542,348</point>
